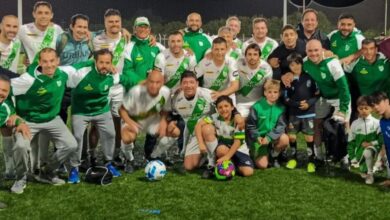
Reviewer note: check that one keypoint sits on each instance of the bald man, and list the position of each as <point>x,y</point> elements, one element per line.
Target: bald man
<point>194,38</point>
<point>144,109</point>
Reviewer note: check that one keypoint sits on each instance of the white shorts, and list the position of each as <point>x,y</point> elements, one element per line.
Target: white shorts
<point>149,125</point>
<point>244,108</point>
<point>191,145</point>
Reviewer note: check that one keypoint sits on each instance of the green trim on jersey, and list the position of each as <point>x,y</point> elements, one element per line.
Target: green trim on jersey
<point>252,83</point>
<point>220,80</point>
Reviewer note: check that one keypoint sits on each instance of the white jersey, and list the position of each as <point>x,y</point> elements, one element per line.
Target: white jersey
<point>31,38</point>
<point>234,54</point>
<point>169,65</point>
<point>141,106</point>
<point>267,46</point>
<point>194,109</point>
<point>216,77</point>
<point>13,48</point>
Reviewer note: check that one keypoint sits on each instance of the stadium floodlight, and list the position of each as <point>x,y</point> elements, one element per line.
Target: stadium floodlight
<point>20,11</point>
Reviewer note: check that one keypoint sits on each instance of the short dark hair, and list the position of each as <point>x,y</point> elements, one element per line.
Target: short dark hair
<point>175,33</point>
<point>75,17</point>
<point>370,41</point>
<point>101,52</point>
<point>47,50</point>
<point>224,98</point>
<point>259,20</point>
<point>253,46</point>
<point>188,74</point>
<point>42,3</point>
<point>308,11</point>
<point>5,78</point>
<point>377,97</point>
<point>219,40</point>
<point>294,58</point>
<point>288,27</point>
<point>112,12</point>
<point>346,16</point>
<point>363,100</point>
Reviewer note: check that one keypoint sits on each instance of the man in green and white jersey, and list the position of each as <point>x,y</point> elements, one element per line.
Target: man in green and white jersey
<point>41,33</point>
<point>260,31</point>
<point>235,26</point>
<point>9,59</point>
<point>91,83</point>
<point>218,73</point>
<point>38,94</point>
<point>194,38</point>
<point>253,72</point>
<point>346,41</point>
<point>172,62</point>
<point>371,71</point>
<point>145,109</point>
<point>9,45</point>
<point>8,118</point>
<point>232,50</point>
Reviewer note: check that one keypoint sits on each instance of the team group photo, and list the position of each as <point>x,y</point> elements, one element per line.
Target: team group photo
<point>264,115</point>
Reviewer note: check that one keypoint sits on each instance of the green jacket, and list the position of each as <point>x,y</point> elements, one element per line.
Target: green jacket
<point>345,46</point>
<point>198,42</point>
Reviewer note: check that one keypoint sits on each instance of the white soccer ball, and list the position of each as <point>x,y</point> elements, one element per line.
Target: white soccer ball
<point>155,170</point>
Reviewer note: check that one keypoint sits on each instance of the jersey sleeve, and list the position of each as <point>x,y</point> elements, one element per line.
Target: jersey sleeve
<point>351,141</point>
<point>22,84</point>
<point>191,66</point>
<point>74,76</point>
<point>233,71</point>
<point>128,100</point>
<point>199,70</point>
<point>359,39</point>
<point>338,75</point>
<point>160,62</point>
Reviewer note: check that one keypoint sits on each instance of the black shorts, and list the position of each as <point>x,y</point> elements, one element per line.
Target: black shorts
<point>240,159</point>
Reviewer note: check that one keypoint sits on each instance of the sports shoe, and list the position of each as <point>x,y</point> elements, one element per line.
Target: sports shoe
<point>363,175</point>
<point>74,176</point>
<point>370,179</point>
<point>291,164</point>
<point>378,166</point>
<point>208,173</point>
<point>129,168</point>
<point>354,163</point>
<point>311,167</point>
<point>113,170</point>
<point>276,163</point>
<point>50,178</point>
<point>19,186</point>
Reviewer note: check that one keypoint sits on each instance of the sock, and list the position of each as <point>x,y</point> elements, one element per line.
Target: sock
<point>211,146</point>
<point>369,158</point>
<point>293,147</point>
<point>163,145</point>
<point>274,153</point>
<point>127,150</point>
<point>8,144</point>
<point>318,152</point>
<point>310,150</point>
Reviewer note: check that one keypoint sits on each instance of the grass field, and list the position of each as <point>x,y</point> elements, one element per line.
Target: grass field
<point>270,194</point>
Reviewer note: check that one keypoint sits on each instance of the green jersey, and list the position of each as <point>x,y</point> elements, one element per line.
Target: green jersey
<point>6,110</point>
<point>38,97</point>
<point>90,89</point>
<point>370,77</point>
<point>330,79</point>
<point>345,46</point>
<point>198,42</point>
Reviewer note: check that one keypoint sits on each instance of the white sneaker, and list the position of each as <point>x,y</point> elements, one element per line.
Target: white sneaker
<point>378,166</point>
<point>19,186</point>
<point>370,179</point>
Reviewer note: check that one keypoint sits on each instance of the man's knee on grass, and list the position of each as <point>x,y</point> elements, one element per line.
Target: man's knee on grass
<point>191,162</point>
<point>246,171</point>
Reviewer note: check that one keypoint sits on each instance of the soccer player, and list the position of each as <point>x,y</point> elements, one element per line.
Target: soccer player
<point>22,133</point>
<point>220,127</point>
<point>252,72</point>
<point>260,31</point>
<point>265,126</point>
<point>308,28</point>
<point>91,83</point>
<point>332,83</point>
<point>145,108</point>
<point>218,73</point>
<point>364,141</point>
<point>9,57</point>
<point>234,24</point>
<point>382,107</point>
<point>371,71</point>
<point>290,44</point>
<point>346,41</point>
<point>300,99</point>
<point>194,38</point>
<point>232,50</point>
<point>38,94</point>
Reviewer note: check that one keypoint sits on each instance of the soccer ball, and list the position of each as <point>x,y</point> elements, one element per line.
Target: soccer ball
<point>225,170</point>
<point>155,170</point>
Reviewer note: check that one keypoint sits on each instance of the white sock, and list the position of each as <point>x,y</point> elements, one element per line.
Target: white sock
<point>127,150</point>
<point>318,152</point>
<point>162,146</point>
<point>211,146</point>
<point>369,157</point>
<point>8,144</point>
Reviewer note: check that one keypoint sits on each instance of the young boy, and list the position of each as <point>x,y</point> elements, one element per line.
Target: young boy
<point>300,99</point>
<point>265,126</point>
<point>381,105</point>
<point>364,139</point>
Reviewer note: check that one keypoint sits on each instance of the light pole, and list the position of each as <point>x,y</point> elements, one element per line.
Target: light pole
<point>386,17</point>
<point>20,12</point>
<point>284,12</point>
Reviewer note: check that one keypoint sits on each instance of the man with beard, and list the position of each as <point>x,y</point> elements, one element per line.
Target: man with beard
<point>194,38</point>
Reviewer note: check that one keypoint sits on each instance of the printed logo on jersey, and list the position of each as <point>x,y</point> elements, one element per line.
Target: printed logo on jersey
<point>88,87</point>
<point>381,68</point>
<point>139,57</point>
<point>363,71</point>
<point>334,44</point>
<point>323,75</point>
<point>59,83</point>
<point>153,54</point>
<point>41,91</point>
<point>201,43</point>
<point>347,47</point>
<point>308,83</point>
